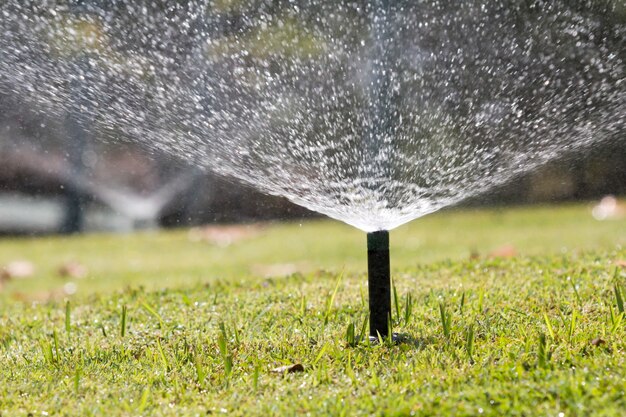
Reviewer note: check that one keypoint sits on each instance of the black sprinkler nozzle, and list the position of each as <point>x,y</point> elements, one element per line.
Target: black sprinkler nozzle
<point>379,283</point>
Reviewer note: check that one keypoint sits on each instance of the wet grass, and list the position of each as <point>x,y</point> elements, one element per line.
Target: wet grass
<point>166,326</point>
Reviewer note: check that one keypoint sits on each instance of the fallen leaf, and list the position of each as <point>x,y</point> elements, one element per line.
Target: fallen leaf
<point>223,235</point>
<point>597,341</point>
<point>275,270</point>
<point>17,270</point>
<point>506,251</point>
<point>42,296</point>
<point>289,369</point>
<point>73,270</point>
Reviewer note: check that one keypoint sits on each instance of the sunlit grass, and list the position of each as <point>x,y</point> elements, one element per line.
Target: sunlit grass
<point>166,326</point>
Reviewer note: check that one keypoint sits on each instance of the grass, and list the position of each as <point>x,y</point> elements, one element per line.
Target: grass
<point>166,326</point>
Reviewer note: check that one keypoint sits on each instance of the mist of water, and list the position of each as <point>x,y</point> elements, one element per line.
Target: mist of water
<point>369,114</point>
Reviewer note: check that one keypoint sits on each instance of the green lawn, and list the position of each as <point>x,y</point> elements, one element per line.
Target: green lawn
<point>165,325</point>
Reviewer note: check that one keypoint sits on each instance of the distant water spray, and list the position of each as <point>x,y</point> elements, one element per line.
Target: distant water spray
<point>281,97</point>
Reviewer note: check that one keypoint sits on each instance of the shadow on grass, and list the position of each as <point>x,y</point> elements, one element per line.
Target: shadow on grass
<point>419,343</point>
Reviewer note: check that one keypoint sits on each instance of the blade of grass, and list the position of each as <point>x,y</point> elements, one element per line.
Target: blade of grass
<point>572,326</point>
<point>55,337</point>
<point>395,300</point>
<point>408,308</point>
<point>77,380</point>
<point>350,335</point>
<point>67,318</point>
<point>223,332</point>
<point>123,322</point>
<point>224,351</point>
<point>350,370</point>
<point>363,333</point>
<point>481,298</point>
<point>445,320</point>
<point>390,327</point>
<point>616,319</point>
<point>619,299</point>
<point>104,331</point>
<point>469,342</point>
<point>154,314</point>
<point>319,355</point>
<point>542,351</point>
<point>380,338</point>
<point>302,306</point>
<point>143,402</point>
<point>549,326</point>
<point>236,335</point>
<point>164,361</point>
<point>46,350</point>
<point>200,370</point>
<point>255,376</point>
<point>462,304</point>
<point>331,300</point>
<point>575,288</point>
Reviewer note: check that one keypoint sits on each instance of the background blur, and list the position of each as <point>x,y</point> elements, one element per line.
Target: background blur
<point>59,177</point>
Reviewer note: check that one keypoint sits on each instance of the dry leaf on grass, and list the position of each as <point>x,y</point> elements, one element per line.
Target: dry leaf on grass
<point>223,235</point>
<point>45,296</point>
<point>72,270</point>
<point>289,369</point>
<point>275,270</point>
<point>507,251</point>
<point>42,296</point>
<point>598,341</point>
<point>17,270</point>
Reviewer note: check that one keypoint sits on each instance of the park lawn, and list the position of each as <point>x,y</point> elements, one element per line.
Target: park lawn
<point>166,325</point>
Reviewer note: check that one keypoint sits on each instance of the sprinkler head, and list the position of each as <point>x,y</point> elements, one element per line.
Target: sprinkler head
<point>379,283</point>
